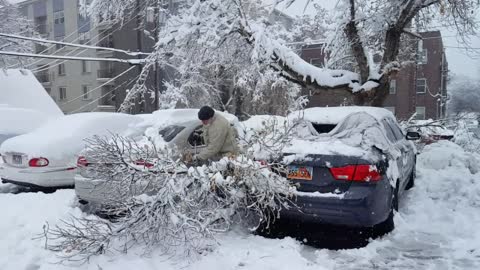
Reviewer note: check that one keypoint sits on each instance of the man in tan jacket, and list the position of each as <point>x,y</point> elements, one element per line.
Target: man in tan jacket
<point>219,136</point>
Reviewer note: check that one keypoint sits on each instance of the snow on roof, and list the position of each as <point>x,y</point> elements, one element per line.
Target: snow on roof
<point>334,115</point>
<point>64,137</point>
<point>20,89</point>
<point>16,121</point>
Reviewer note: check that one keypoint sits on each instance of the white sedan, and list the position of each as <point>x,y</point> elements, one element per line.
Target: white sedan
<point>47,156</point>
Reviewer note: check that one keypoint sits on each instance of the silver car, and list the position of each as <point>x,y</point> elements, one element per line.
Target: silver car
<point>175,128</point>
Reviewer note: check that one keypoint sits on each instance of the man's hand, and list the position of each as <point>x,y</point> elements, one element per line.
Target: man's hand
<point>187,157</point>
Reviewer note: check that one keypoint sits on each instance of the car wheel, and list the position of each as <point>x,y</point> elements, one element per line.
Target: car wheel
<point>411,180</point>
<point>388,225</point>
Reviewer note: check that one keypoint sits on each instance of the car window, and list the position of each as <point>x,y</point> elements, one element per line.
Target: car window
<point>323,128</point>
<point>196,137</point>
<point>397,131</point>
<point>389,131</point>
<point>170,132</point>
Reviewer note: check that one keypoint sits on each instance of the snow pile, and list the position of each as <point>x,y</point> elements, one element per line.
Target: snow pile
<point>21,89</point>
<point>64,137</point>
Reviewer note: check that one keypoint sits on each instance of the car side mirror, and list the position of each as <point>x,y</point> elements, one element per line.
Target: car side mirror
<point>412,135</point>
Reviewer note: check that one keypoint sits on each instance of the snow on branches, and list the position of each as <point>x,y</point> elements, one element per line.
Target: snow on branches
<point>161,204</point>
<point>364,39</point>
<point>12,22</point>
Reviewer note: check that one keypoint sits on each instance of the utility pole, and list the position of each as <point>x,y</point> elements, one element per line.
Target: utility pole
<point>139,48</point>
<point>157,72</point>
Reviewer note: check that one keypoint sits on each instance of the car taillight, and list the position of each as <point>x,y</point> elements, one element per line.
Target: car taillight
<point>38,162</point>
<point>360,173</point>
<point>144,163</point>
<point>82,162</point>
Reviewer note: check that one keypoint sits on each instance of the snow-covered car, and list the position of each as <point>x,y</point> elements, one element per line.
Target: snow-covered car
<point>176,128</point>
<point>352,169</point>
<point>46,157</point>
<point>430,131</point>
<point>16,121</point>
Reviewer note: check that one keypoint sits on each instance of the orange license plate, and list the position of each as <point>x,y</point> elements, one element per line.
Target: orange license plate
<point>300,172</point>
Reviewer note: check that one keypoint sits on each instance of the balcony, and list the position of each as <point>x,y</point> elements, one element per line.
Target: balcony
<point>41,28</point>
<point>105,73</point>
<point>44,77</point>
<point>41,48</point>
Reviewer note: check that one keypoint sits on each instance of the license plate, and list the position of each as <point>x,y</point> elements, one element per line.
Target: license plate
<point>17,159</point>
<point>300,172</point>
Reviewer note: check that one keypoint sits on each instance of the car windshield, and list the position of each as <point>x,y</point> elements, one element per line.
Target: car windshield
<point>170,132</point>
<point>323,128</point>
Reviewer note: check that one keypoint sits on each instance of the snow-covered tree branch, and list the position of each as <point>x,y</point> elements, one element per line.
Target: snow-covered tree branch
<point>12,22</point>
<point>368,35</point>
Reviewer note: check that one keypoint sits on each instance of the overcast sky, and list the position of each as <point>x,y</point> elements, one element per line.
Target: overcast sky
<point>460,61</point>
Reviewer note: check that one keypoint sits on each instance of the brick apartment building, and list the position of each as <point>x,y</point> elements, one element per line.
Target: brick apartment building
<point>419,87</point>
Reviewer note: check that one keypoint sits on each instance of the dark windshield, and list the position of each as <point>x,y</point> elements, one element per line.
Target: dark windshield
<point>323,128</point>
<point>170,132</point>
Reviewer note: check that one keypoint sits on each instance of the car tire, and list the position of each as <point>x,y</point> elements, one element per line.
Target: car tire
<point>411,180</point>
<point>388,225</point>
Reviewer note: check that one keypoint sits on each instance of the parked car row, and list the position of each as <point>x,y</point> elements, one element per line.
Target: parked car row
<point>350,164</point>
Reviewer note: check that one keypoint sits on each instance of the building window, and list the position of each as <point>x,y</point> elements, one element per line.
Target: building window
<point>86,68</point>
<point>316,62</point>
<point>85,92</point>
<point>62,93</point>
<point>421,86</point>
<point>392,109</point>
<point>59,46</point>
<point>420,113</point>
<point>393,87</point>
<point>84,38</point>
<point>61,69</point>
<point>422,56</point>
<point>59,17</point>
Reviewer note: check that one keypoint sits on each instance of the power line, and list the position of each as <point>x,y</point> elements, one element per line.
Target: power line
<point>82,51</point>
<point>97,99</point>
<point>100,86</point>
<point>73,44</point>
<point>128,61</point>
<point>50,47</point>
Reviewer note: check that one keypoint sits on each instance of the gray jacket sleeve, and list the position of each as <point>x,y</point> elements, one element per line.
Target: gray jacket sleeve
<point>215,141</point>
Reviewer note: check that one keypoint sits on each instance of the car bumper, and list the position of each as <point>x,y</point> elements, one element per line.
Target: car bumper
<point>37,177</point>
<point>350,209</point>
<point>101,192</point>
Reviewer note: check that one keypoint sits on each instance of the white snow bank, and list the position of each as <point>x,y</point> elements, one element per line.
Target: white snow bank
<point>20,89</point>
<point>64,137</point>
<point>333,115</point>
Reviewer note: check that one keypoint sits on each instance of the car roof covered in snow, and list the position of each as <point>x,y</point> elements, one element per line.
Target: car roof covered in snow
<point>162,118</point>
<point>334,115</point>
<point>16,121</point>
<point>64,137</point>
<point>20,89</point>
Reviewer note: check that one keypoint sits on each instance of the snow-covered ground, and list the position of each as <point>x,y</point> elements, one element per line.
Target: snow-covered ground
<point>437,228</point>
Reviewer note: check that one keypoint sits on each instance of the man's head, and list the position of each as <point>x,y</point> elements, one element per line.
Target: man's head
<point>206,114</point>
